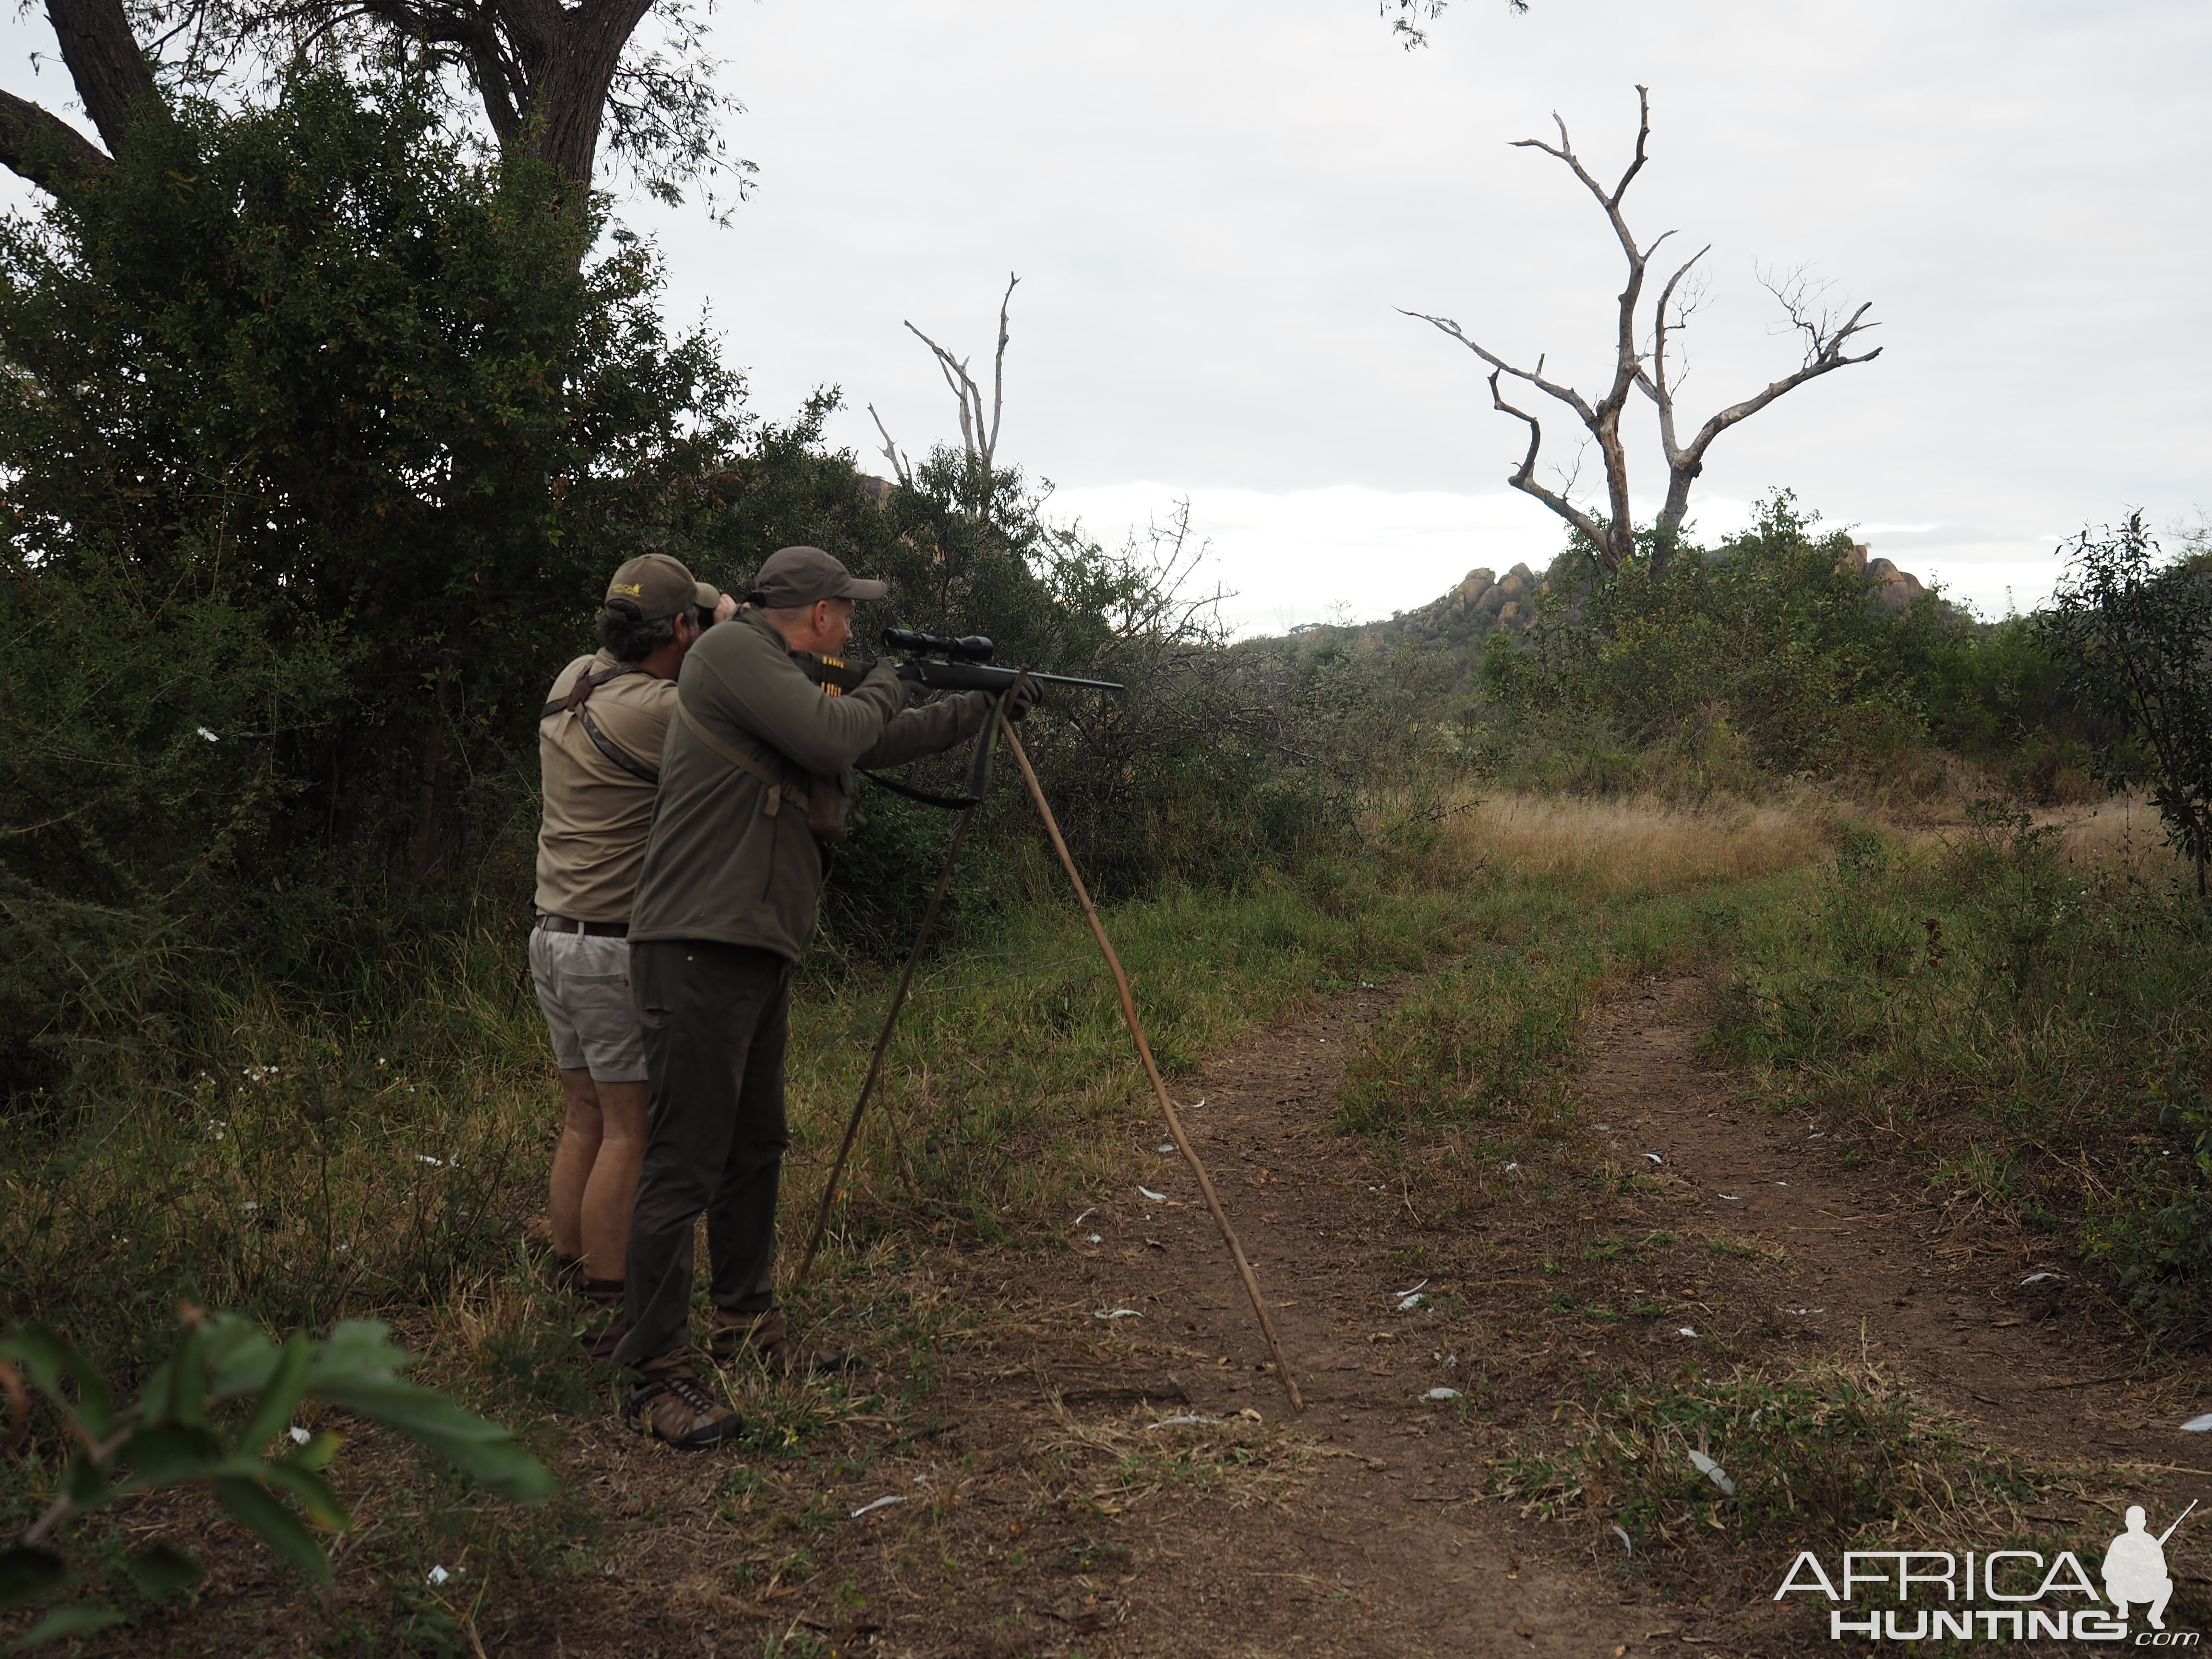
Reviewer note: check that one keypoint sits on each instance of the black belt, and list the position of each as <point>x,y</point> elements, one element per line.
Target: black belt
<point>589,929</point>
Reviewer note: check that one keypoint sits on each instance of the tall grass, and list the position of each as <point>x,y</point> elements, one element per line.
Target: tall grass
<point>314,1165</point>
<point>1577,897</point>
<point>2027,1008</point>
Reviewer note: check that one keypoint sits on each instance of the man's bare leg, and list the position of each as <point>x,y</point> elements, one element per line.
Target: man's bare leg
<point>612,1188</point>
<point>581,1130</point>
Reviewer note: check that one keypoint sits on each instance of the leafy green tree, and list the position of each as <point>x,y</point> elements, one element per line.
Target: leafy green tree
<point>314,473</point>
<point>1771,638</point>
<point>2135,637</point>
<point>552,81</point>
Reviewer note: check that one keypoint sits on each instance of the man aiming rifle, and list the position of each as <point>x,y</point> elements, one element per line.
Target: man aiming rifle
<point>757,777</point>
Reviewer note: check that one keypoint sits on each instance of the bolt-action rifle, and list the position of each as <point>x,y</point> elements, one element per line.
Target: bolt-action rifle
<point>936,662</point>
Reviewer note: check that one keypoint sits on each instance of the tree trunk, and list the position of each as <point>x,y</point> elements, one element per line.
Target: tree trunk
<point>430,790</point>
<point>112,75</point>
<point>568,105</point>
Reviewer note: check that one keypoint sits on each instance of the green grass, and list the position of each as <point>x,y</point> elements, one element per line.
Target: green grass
<point>2028,1020</point>
<point>1826,1451</point>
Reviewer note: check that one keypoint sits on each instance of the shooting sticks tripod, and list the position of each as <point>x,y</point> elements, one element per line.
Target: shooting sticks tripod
<point>1128,1014</point>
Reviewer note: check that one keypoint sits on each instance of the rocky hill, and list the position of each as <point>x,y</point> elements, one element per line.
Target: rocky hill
<point>1485,602</point>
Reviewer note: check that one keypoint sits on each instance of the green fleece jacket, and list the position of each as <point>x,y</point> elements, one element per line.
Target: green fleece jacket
<point>718,865</point>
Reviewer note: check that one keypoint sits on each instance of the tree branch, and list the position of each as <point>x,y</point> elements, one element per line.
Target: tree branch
<point>1566,394</point>
<point>965,390</point>
<point>1523,478</point>
<point>900,468</point>
<point>41,147</point>
<point>1655,384</point>
<point>999,375</point>
<point>1825,355</point>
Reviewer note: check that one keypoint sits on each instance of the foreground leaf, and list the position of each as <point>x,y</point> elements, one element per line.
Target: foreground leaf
<point>27,1573</point>
<point>277,1525</point>
<point>78,1620</point>
<point>162,1570</point>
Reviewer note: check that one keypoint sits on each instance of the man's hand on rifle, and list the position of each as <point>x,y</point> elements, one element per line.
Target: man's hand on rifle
<point>1025,695</point>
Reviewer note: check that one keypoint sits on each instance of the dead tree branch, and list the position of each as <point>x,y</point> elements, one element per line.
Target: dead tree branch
<point>979,438</point>
<point>979,434</point>
<point>1828,337</point>
<point>902,469</point>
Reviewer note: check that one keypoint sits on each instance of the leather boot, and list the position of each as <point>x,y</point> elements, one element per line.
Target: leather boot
<point>668,1404</point>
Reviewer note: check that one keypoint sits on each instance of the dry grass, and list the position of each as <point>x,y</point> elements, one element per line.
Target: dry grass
<point>1629,847</point>
<point>1114,1466</point>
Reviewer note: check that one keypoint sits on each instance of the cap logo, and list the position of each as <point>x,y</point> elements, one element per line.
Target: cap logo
<point>631,588</point>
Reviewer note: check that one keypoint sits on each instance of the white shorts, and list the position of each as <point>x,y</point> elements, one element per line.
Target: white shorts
<point>583,986</point>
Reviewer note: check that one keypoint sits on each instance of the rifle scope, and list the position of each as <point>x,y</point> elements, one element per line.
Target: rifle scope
<point>968,648</point>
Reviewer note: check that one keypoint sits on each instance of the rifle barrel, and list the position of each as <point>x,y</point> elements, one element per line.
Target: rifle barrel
<point>986,676</point>
<point>2177,1520</point>
<point>845,673</point>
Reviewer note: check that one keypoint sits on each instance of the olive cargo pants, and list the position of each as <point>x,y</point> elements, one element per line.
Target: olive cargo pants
<point>716,1018</point>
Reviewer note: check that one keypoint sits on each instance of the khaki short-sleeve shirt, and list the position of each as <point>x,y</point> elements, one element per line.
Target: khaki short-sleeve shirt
<point>598,815</point>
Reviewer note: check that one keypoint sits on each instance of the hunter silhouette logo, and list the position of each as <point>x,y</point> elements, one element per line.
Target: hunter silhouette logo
<point>2001,1595</point>
<point>2134,1566</point>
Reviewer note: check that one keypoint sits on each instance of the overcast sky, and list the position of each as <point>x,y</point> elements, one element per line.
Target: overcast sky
<point>1214,208</point>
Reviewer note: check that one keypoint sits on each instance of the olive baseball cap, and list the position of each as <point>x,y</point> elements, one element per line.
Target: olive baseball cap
<point>794,577</point>
<point>660,586</point>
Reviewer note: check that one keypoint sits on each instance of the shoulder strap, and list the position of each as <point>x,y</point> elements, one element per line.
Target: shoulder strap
<point>614,752</point>
<point>779,791</point>
<point>579,695</point>
<point>580,692</point>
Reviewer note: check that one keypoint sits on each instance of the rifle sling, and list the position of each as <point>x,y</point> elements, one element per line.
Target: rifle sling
<point>950,803</point>
<point>779,791</point>
<point>579,695</point>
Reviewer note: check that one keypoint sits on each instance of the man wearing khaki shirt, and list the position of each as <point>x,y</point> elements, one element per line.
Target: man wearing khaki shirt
<point>599,743</point>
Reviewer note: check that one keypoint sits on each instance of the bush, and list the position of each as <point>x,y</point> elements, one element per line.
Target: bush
<point>313,470</point>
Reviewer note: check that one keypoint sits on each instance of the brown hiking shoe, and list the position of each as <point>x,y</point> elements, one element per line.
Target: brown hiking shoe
<point>669,1405</point>
<point>767,1337</point>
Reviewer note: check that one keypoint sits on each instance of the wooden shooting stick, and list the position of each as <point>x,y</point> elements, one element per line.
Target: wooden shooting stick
<point>898,1001</point>
<point>1152,1071</point>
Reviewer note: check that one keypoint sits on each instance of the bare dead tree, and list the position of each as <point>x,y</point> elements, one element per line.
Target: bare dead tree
<point>1828,337</point>
<point>979,435</point>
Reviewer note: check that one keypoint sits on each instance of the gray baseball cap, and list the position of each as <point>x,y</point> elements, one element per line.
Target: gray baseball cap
<point>793,577</point>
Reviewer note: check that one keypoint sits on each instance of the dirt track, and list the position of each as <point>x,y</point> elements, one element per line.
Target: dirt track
<point>1047,1502</point>
<point>1385,1546</point>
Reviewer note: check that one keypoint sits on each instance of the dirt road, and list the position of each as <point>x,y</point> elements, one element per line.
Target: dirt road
<point>1096,1463</point>
<point>1384,1544</point>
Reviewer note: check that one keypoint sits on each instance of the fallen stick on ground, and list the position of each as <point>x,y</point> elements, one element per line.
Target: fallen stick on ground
<point>1152,1071</point>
